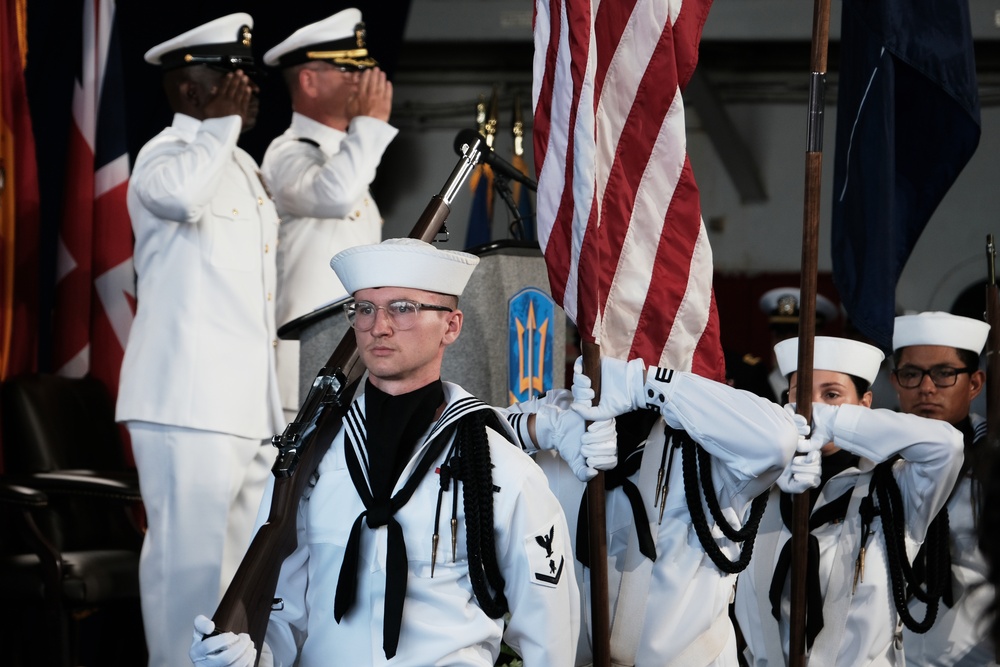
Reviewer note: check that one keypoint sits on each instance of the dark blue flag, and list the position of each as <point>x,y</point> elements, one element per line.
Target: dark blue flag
<point>479,231</point>
<point>907,123</point>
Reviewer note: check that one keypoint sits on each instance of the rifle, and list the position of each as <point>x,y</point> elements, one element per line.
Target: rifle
<point>992,348</point>
<point>247,603</point>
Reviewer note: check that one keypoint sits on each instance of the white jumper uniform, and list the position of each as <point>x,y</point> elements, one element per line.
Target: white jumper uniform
<point>961,634</point>
<point>860,627</point>
<point>685,606</point>
<point>319,177</point>
<point>442,622</point>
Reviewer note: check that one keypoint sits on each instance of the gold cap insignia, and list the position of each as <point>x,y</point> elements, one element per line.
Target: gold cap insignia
<point>245,36</point>
<point>788,305</point>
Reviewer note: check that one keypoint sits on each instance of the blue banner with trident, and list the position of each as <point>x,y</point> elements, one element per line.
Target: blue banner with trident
<point>530,344</point>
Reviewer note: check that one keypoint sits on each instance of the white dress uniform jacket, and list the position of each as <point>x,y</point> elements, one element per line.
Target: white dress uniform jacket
<point>319,177</point>
<point>201,352</point>
<point>750,441</point>
<point>861,627</point>
<point>961,634</point>
<point>442,623</point>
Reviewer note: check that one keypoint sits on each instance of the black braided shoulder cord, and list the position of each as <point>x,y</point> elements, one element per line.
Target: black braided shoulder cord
<point>475,471</point>
<point>900,573</point>
<point>934,554</point>
<point>694,457</point>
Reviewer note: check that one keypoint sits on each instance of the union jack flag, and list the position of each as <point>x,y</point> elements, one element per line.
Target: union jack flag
<point>95,284</point>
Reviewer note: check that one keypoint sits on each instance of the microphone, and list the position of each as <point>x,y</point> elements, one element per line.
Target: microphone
<point>469,137</point>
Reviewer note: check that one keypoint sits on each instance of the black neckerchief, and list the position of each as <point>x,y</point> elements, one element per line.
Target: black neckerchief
<point>835,510</point>
<point>633,430</point>
<point>395,424</point>
<point>381,512</point>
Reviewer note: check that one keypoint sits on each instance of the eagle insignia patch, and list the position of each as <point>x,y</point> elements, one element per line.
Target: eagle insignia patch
<point>546,557</point>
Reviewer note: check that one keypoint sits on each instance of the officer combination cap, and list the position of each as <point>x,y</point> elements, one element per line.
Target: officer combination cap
<point>224,42</point>
<point>781,305</point>
<point>841,355</point>
<point>338,40</point>
<point>939,328</point>
<point>404,263</point>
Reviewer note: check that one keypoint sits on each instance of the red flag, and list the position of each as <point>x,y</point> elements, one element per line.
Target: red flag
<point>619,216</point>
<point>19,202</point>
<point>95,288</point>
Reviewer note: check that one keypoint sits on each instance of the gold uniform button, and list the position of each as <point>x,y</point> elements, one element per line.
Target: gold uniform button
<point>357,214</point>
<point>235,212</point>
<point>260,201</point>
<point>267,248</point>
<point>274,343</point>
<point>268,296</point>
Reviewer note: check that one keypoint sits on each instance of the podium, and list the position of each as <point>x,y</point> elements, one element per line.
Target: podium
<point>513,341</point>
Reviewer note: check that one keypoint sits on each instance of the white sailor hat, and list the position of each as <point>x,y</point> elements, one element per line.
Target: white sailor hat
<point>338,40</point>
<point>224,42</point>
<point>841,355</point>
<point>938,328</point>
<point>404,263</point>
<point>781,305</point>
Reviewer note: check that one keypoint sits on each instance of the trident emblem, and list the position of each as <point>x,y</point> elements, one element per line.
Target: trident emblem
<point>530,367</point>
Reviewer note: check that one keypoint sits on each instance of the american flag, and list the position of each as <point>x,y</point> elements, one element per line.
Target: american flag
<point>619,217</point>
<point>95,288</point>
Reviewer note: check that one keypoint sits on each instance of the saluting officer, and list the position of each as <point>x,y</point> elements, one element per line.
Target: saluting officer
<point>199,389</point>
<point>321,168</point>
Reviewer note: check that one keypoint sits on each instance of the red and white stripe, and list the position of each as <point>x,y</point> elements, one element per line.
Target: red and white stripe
<point>95,288</point>
<point>619,217</point>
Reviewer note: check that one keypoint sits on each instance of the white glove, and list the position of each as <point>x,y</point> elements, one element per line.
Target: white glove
<point>823,418</point>
<point>801,423</point>
<point>223,650</point>
<point>621,388</point>
<point>566,432</point>
<point>802,473</point>
<point>600,447</point>
<point>583,390</point>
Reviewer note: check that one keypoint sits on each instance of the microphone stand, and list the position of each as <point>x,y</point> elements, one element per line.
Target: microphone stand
<point>501,185</point>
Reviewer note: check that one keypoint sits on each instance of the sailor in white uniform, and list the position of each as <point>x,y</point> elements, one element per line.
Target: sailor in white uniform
<point>881,478</point>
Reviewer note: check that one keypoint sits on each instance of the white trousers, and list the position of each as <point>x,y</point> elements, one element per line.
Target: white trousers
<point>201,491</point>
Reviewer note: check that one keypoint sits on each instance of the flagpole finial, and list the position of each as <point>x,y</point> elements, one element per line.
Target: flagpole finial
<point>490,128</point>
<point>481,114</point>
<point>517,126</point>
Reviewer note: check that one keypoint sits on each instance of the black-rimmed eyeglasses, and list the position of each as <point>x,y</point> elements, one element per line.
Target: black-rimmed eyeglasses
<point>910,377</point>
<point>402,313</point>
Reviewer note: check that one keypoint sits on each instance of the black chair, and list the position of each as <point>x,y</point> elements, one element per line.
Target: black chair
<point>71,527</point>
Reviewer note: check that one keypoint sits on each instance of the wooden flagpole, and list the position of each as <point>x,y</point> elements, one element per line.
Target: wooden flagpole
<point>600,606</point>
<point>807,319</point>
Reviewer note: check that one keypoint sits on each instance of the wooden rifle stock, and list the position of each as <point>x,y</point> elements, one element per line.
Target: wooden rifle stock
<point>992,348</point>
<point>247,603</point>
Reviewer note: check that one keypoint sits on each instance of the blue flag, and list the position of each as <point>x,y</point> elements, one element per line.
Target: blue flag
<point>479,231</point>
<point>907,123</point>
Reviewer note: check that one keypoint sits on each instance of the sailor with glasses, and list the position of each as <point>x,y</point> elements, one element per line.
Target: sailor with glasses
<point>198,389</point>
<point>936,374</point>
<point>321,168</point>
<point>427,535</point>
